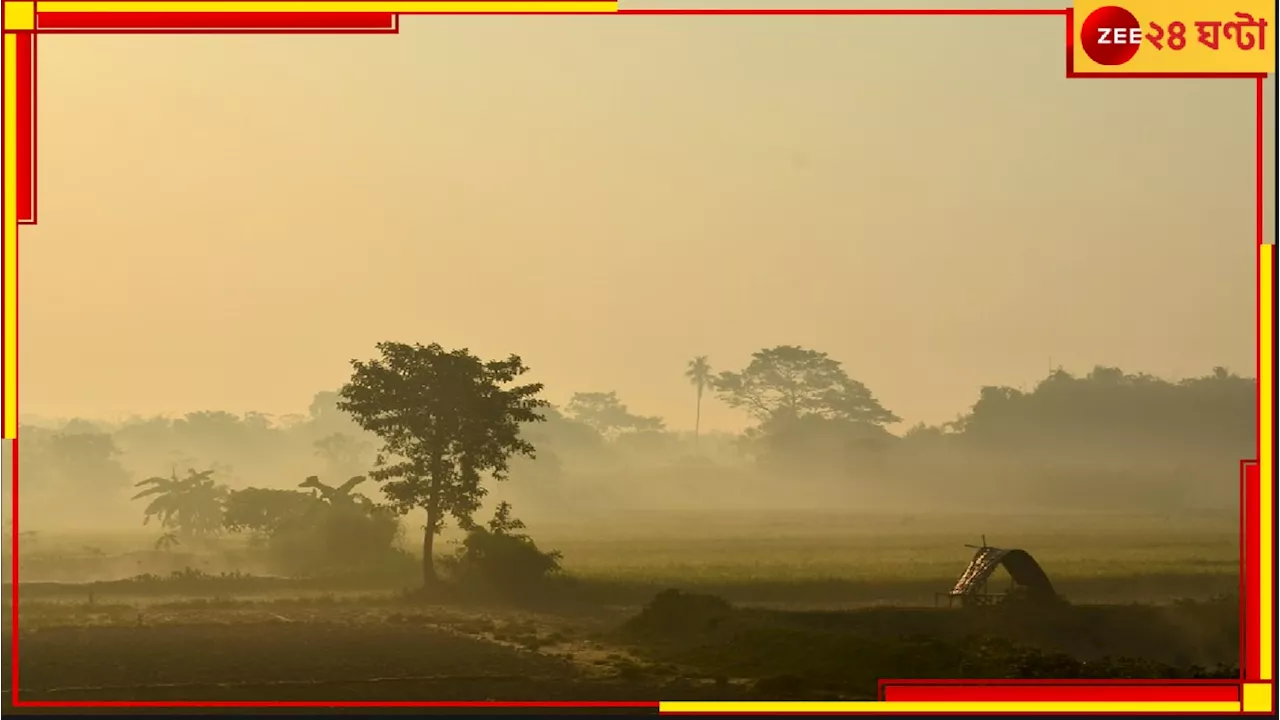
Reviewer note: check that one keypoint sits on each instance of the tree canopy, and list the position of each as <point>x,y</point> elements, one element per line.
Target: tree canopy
<point>791,382</point>
<point>608,415</point>
<point>446,420</point>
<point>1108,411</point>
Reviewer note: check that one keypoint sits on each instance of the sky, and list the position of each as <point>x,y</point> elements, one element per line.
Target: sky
<point>225,222</point>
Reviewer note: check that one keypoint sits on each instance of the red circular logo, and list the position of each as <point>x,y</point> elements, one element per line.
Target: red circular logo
<point>1111,35</point>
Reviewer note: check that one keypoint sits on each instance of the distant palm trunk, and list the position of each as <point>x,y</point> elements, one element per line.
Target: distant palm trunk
<point>698,373</point>
<point>697,424</point>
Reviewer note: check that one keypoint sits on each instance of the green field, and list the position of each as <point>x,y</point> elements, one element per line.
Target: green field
<point>820,606</point>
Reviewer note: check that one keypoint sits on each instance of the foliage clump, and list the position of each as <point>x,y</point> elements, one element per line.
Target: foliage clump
<point>331,530</point>
<point>190,506</point>
<point>499,556</point>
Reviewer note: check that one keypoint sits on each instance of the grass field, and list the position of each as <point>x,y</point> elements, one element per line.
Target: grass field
<point>818,606</point>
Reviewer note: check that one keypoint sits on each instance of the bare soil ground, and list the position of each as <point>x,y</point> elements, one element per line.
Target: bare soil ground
<point>820,610</point>
<point>332,652</point>
<point>393,648</point>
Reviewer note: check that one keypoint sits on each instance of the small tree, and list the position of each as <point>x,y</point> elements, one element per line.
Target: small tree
<point>446,419</point>
<point>192,505</point>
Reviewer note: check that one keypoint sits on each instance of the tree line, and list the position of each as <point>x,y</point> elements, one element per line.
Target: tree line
<point>433,429</point>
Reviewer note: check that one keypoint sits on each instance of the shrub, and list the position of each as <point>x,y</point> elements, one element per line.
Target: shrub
<point>303,535</point>
<point>501,557</point>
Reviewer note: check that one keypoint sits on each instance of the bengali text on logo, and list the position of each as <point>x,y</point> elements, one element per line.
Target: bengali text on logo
<point>1176,37</point>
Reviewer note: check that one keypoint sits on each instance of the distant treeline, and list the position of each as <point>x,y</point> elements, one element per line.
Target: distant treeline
<point>1107,440</point>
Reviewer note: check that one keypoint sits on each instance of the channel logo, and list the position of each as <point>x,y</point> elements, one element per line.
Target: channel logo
<point>1176,37</point>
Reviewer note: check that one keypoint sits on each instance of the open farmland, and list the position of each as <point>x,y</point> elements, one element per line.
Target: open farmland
<point>819,606</point>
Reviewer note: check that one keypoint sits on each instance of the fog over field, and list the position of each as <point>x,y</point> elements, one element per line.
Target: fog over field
<point>689,374</point>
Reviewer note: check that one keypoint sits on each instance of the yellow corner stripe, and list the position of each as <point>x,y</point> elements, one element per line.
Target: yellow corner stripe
<point>10,237</point>
<point>375,6</point>
<point>946,707</point>
<point>1256,697</point>
<point>19,15</point>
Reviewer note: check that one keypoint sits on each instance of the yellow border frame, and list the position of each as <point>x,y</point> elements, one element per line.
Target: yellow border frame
<point>881,707</point>
<point>370,6</point>
<point>1266,455</point>
<point>9,229</point>
<point>1256,697</point>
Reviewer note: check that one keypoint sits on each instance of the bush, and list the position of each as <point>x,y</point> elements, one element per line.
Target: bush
<point>500,557</point>
<point>302,535</point>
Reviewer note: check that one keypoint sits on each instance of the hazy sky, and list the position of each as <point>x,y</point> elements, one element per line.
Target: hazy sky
<point>226,221</point>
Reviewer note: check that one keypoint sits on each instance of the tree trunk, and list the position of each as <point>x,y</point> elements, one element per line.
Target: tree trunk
<point>697,425</point>
<point>428,550</point>
<point>433,520</point>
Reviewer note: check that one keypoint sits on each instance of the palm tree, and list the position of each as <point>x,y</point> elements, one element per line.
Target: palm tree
<point>191,505</point>
<point>698,372</point>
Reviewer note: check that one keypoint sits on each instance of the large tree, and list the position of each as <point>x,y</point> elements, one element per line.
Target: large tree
<point>608,415</point>
<point>788,382</point>
<point>446,419</point>
<point>698,373</point>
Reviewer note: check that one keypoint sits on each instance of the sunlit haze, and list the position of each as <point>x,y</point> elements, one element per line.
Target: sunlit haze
<point>225,222</point>
<point>1042,291</point>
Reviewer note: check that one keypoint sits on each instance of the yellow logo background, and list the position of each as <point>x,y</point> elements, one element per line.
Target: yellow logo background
<point>1194,57</point>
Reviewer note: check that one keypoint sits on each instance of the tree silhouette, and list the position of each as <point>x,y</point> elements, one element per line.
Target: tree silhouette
<point>1112,413</point>
<point>303,533</point>
<point>325,418</point>
<point>788,382</point>
<point>607,415</point>
<point>85,464</point>
<point>190,505</point>
<point>446,419</point>
<point>501,555</point>
<point>698,373</point>
<point>266,510</point>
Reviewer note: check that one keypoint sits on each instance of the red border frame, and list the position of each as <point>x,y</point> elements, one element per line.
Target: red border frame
<point>113,23</point>
<point>1059,691</point>
<point>896,690</point>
